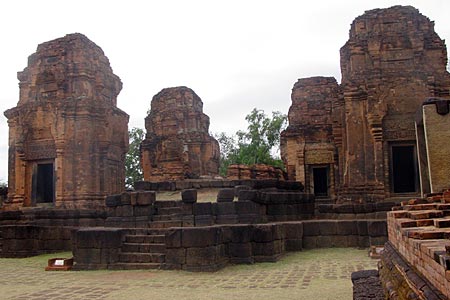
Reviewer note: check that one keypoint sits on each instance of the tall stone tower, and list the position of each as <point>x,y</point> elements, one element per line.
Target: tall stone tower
<point>67,138</point>
<point>356,141</point>
<point>177,143</point>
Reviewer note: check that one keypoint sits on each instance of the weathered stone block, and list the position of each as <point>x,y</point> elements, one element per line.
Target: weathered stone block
<point>226,219</point>
<point>311,228</point>
<point>309,242</point>
<point>176,256</point>
<point>262,233</point>
<point>239,188</point>
<point>141,211</point>
<point>240,249</point>
<point>246,207</point>
<point>98,238</point>
<point>225,195</point>
<point>224,208</point>
<point>362,227</point>
<point>204,220</point>
<point>113,200</point>
<point>199,237</point>
<point>346,227</point>
<point>189,195</point>
<point>173,238</point>
<point>267,249</point>
<point>202,208</point>
<point>377,228</point>
<point>293,244</point>
<point>248,195</point>
<point>238,233</point>
<point>145,198</point>
<point>202,256</point>
<point>293,230</point>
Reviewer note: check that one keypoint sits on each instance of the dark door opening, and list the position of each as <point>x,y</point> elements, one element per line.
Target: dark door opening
<point>404,169</point>
<point>320,177</point>
<point>43,189</point>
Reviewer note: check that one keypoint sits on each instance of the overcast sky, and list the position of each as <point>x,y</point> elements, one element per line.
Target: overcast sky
<point>236,55</point>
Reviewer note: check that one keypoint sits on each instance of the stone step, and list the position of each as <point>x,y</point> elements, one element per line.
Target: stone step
<point>148,239</point>
<point>135,266</point>
<point>165,224</point>
<point>133,257</point>
<point>144,248</point>
<point>169,210</point>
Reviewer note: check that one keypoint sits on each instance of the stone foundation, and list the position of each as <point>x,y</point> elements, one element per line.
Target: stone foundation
<point>210,248</point>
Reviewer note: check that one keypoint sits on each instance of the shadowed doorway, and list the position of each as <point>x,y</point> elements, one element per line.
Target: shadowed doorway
<point>43,183</point>
<point>320,180</point>
<point>404,169</point>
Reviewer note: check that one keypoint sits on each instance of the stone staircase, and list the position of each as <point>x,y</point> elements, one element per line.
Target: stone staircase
<point>142,249</point>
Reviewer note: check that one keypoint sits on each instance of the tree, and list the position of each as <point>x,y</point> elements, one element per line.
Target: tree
<point>257,144</point>
<point>133,170</point>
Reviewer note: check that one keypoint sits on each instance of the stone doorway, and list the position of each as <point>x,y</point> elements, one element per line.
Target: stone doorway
<point>320,181</point>
<point>43,187</point>
<point>404,168</point>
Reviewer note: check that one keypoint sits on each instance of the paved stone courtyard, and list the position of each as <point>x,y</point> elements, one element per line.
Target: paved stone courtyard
<point>311,274</point>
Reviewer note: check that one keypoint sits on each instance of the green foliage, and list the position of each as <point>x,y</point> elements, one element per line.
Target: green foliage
<point>256,145</point>
<point>133,170</point>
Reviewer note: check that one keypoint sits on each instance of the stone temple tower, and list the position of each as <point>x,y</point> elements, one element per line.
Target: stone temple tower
<point>177,144</point>
<point>67,138</point>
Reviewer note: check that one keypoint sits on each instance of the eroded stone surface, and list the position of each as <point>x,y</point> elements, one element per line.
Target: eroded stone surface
<point>257,171</point>
<point>177,143</point>
<point>392,62</point>
<point>67,138</point>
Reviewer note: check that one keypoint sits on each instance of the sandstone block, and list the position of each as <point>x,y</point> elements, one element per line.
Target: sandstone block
<point>225,195</point>
<point>189,195</point>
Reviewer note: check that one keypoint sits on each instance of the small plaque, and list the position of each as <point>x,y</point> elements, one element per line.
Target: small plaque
<point>59,262</point>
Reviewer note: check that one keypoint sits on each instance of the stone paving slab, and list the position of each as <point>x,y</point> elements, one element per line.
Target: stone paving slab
<point>312,274</point>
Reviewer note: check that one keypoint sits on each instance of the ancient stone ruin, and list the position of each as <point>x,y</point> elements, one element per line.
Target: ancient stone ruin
<point>256,171</point>
<point>177,144</point>
<point>67,138</point>
<point>366,140</point>
<point>356,141</point>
